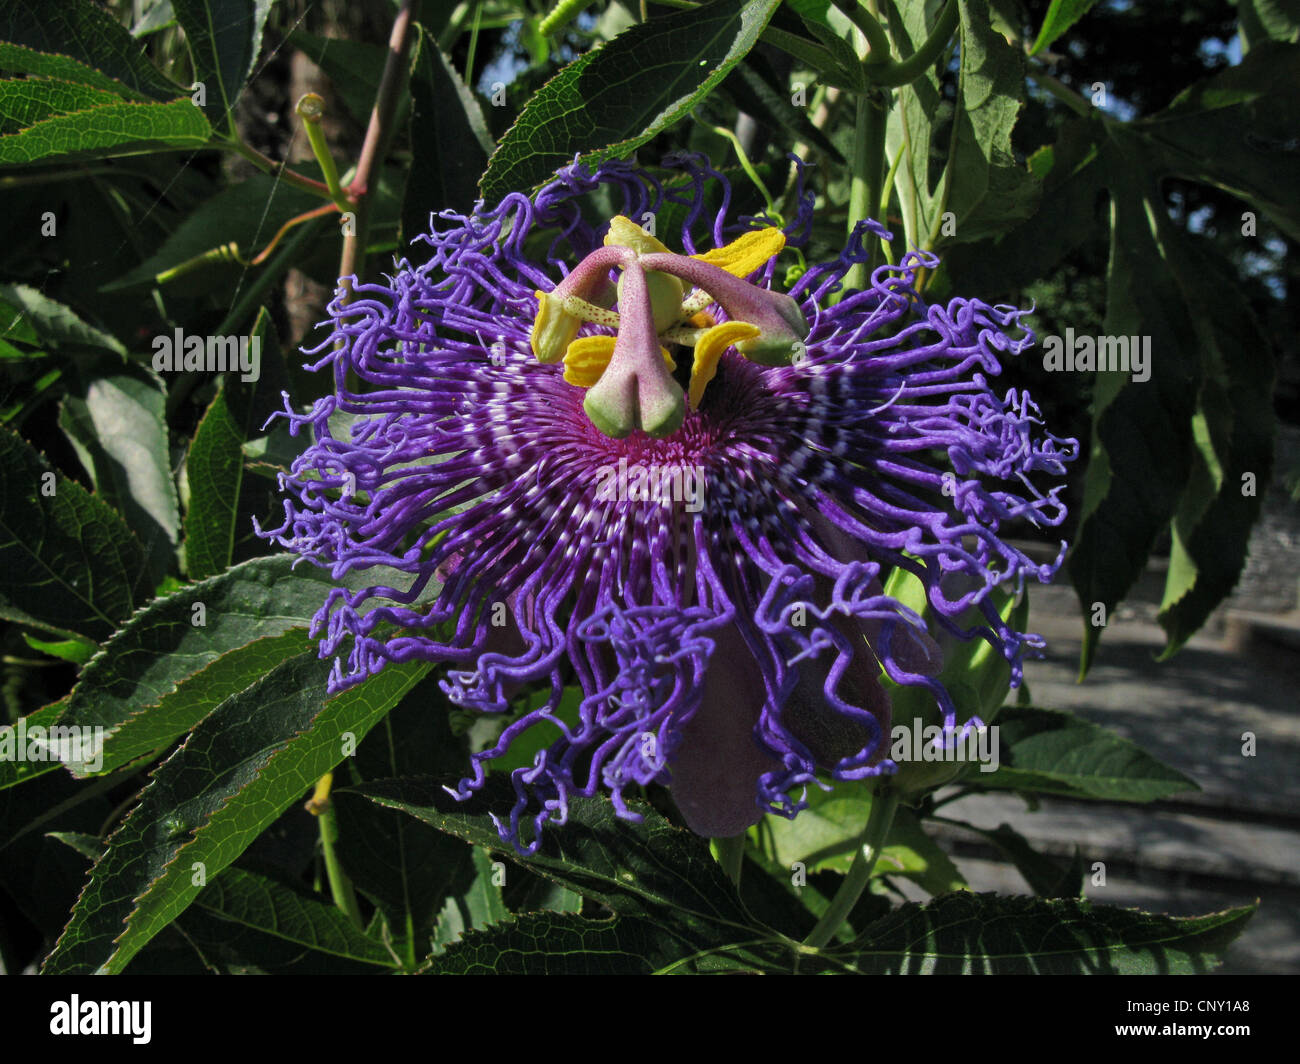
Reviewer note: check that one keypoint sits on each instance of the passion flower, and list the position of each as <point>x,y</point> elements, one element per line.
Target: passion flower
<point>639,470</point>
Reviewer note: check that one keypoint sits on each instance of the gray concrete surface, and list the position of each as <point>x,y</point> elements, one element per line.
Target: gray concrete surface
<point>1234,841</point>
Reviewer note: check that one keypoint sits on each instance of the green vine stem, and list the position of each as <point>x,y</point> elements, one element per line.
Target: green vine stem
<point>277,170</point>
<point>883,806</point>
<point>877,54</point>
<point>320,806</point>
<point>310,109</point>
<point>868,176</point>
<point>378,133</point>
<point>916,64</point>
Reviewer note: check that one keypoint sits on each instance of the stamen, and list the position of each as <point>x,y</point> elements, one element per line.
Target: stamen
<point>747,253</point>
<point>708,350</point>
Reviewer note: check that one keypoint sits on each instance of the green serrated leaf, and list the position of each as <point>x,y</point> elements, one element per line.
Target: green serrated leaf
<point>1249,113</point>
<point>78,41</point>
<point>550,943</point>
<point>825,836</point>
<point>615,98</point>
<point>72,565</point>
<point>759,92</point>
<point>650,869</point>
<point>28,100</point>
<point>225,37</point>
<point>1232,454</point>
<point>162,672</point>
<point>483,900</point>
<point>401,864</point>
<point>1052,752</point>
<point>1046,877</point>
<point>89,846</point>
<point>1141,442</point>
<point>15,770</point>
<point>252,903</point>
<point>967,933</point>
<point>245,764</point>
<point>125,128</point>
<point>214,468</point>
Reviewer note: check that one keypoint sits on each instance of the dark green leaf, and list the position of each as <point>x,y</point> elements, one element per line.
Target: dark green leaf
<point>354,68</point>
<point>24,101</point>
<point>825,836</point>
<point>31,317</point>
<point>79,41</point>
<point>966,934</point>
<point>1046,878</point>
<point>550,943</point>
<point>1141,445</point>
<point>214,469</point>
<point>615,98</point>
<point>651,869</point>
<point>225,37</point>
<point>403,865</point>
<point>246,763</point>
<point>71,564</point>
<point>1249,113</point>
<point>759,92</point>
<point>163,672</point>
<point>483,899</point>
<point>219,515</point>
<point>246,214</point>
<point>1232,431</point>
<point>1052,752</point>
<point>959,178</point>
<point>248,902</point>
<point>15,769</point>
<point>115,422</point>
<point>450,143</point>
<point>89,846</point>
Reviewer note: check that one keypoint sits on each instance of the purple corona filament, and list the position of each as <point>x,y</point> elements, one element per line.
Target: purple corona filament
<point>730,642</point>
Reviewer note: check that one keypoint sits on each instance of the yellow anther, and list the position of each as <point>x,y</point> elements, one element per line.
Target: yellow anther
<point>553,329</point>
<point>625,233</point>
<point>588,356</point>
<point>746,253</point>
<point>708,350</point>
